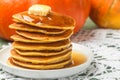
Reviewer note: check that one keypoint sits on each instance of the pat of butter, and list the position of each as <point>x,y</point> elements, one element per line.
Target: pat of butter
<point>40,10</point>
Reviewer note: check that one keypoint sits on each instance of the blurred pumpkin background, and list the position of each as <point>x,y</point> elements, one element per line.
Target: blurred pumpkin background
<point>106,13</point>
<point>78,9</point>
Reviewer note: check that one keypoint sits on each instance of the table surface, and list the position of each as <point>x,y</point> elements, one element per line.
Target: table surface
<point>105,44</point>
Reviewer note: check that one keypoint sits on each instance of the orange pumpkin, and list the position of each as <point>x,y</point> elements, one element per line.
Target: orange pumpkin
<point>106,13</point>
<point>78,9</point>
<point>7,9</point>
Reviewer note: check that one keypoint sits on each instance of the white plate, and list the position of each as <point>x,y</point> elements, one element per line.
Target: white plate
<point>46,74</point>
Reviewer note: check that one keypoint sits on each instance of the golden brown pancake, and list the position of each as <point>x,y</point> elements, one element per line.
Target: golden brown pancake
<point>53,20</point>
<point>19,38</point>
<point>24,27</point>
<point>41,59</point>
<point>42,46</point>
<point>42,53</point>
<point>63,64</point>
<point>38,36</point>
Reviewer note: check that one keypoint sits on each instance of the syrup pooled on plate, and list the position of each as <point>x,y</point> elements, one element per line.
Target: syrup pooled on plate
<point>78,58</point>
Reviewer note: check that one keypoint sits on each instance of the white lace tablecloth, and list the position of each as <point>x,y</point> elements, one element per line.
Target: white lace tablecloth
<point>105,44</point>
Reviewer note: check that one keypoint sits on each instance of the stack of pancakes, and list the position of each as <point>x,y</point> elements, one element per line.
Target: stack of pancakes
<point>41,42</point>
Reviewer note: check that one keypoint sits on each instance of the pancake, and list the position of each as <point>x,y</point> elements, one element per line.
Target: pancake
<point>38,36</point>
<point>24,27</point>
<point>63,64</point>
<point>19,38</point>
<point>40,59</point>
<point>42,53</point>
<point>42,46</point>
<point>53,20</point>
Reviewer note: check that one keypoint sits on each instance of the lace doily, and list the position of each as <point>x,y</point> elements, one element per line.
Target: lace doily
<point>105,44</point>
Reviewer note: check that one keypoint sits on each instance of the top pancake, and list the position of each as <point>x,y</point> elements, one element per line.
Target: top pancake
<point>52,20</point>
